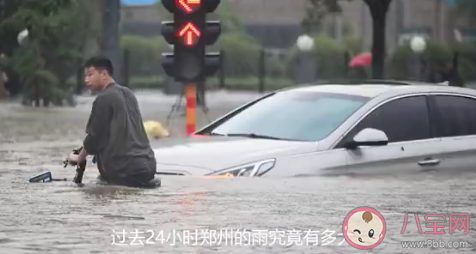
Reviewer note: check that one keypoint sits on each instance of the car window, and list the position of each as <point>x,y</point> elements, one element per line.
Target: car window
<point>295,115</point>
<point>402,119</point>
<point>456,115</point>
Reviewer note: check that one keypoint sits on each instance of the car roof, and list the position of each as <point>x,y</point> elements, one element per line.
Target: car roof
<point>373,89</point>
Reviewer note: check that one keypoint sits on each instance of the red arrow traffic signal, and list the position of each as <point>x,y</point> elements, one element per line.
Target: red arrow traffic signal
<point>188,6</point>
<point>189,32</point>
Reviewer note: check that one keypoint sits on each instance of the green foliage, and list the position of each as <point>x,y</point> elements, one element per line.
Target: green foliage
<point>241,54</point>
<point>57,33</point>
<point>436,54</point>
<point>329,54</point>
<point>331,57</point>
<point>8,36</point>
<point>230,22</point>
<point>316,11</point>
<point>347,28</point>
<point>144,54</point>
<point>241,51</point>
<point>467,60</point>
<point>4,62</point>
<point>353,44</point>
<point>467,51</point>
<point>49,86</point>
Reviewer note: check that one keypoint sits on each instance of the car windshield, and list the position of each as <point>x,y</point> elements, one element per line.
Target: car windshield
<point>293,115</point>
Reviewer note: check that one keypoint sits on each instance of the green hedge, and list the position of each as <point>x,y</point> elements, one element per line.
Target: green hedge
<point>144,54</point>
<point>436,54</point>
<point>242,59</point>
<point>241,55</point>
<point>330,56</point>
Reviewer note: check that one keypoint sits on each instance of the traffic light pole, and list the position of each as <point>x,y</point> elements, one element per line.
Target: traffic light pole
<point>190,107</point>
<point>190,32</point>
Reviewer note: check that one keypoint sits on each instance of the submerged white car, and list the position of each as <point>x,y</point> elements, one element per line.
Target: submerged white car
<point>334,129</point>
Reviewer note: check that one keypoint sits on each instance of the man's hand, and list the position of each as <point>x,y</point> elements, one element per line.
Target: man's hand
<point>73,159</point>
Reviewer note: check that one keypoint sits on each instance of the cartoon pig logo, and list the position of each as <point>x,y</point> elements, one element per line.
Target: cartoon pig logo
<point>364,228</point>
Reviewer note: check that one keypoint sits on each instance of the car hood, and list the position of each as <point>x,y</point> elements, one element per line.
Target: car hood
<point>216,153</point>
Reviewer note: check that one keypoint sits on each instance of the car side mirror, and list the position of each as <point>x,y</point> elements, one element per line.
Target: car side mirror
<point>368,137</point>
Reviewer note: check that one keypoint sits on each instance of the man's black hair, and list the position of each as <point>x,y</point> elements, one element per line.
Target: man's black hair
<point>100,63</point>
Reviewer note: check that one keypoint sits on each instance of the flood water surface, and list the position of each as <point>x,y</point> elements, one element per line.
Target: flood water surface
<point>198,215</point>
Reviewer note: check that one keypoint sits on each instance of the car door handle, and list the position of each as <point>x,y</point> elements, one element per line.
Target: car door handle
<point>429,162</point>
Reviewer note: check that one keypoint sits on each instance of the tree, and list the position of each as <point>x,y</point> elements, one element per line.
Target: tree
<point>8,43</point>
<point>316,11</point>
<point>57,33</point>
<point>378,10</point>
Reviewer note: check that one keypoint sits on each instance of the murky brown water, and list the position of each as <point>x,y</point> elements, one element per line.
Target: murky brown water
<point>63,218</point>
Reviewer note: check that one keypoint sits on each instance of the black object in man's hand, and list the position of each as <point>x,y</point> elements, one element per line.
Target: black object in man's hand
<point>80,168</point>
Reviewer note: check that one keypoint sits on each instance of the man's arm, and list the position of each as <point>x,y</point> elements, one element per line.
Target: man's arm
<point>82,155</point>
<point>97,129</point>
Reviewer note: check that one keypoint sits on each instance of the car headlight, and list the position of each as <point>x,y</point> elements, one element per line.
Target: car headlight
<point>248,170</point>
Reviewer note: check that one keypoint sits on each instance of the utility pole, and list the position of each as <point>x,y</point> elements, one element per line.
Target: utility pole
<point>111,17</point>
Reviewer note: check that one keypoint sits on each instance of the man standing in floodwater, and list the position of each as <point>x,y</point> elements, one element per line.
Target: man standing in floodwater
<point>115,130</point>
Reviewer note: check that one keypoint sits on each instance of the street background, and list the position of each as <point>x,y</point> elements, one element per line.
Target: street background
<point>44,108</point>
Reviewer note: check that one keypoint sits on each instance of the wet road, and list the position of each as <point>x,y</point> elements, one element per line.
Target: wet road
<point>63,218</point>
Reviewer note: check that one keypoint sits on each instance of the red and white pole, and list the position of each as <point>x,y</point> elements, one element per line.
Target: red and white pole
<point>190,109</point>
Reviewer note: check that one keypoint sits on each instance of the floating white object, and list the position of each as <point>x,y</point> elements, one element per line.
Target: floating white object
<point>22,36</point>
<point>305,42</point>
<point>418,44</point>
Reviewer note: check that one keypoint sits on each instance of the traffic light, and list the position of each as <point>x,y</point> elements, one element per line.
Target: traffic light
<point>189,34</point>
